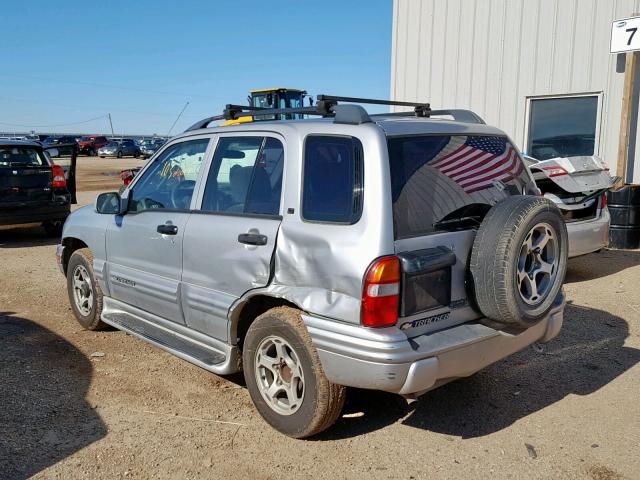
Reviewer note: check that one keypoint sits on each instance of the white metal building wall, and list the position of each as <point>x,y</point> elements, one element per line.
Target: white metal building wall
<point>490,55</point>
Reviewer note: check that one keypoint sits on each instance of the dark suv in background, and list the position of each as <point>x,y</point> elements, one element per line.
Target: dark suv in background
<point>34,189</point>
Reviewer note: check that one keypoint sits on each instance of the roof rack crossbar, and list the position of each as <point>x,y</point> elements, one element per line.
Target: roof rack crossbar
<point>234,112</point>
<point>371,101</point>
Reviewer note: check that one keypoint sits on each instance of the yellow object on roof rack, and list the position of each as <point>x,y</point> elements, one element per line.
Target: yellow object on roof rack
<point>273,98</point>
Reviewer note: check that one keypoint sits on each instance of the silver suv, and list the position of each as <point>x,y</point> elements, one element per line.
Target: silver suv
<point>394,252</point>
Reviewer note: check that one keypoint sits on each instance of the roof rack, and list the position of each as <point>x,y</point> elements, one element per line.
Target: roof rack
<point>327,106</point>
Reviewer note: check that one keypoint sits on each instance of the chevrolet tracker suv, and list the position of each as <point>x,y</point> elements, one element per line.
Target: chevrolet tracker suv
<point>394,252</point>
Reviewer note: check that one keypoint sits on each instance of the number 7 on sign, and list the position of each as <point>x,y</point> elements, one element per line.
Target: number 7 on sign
<point>633,32</point>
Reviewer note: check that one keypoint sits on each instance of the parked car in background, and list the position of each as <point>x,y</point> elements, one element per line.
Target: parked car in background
<point>462,266</point>
<point>120,148</point>
<point>90,144</point>
<point>149,147</point>
<point>578,186</point>
<point>33,189</point>
<point>59,140</point>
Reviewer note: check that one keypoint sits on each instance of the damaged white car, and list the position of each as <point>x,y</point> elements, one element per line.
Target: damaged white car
<point>578,186</point>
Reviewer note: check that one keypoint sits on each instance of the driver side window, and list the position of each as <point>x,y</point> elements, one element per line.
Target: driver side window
<point>169,183</point>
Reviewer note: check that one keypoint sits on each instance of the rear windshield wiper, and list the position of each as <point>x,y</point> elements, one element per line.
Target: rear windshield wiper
<point>458,223</point>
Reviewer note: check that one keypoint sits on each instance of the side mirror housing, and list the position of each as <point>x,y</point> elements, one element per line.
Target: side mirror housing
<point>110,203</point>
<point>53,152</point>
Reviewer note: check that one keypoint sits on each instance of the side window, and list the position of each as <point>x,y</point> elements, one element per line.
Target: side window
<point>333,179</point>
<point>245,176</point>
<point>170,181</point>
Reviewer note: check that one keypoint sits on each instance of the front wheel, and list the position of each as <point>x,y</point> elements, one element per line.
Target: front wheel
<point>85,295</point>
<point>119,154</point>
<point>285,378</point>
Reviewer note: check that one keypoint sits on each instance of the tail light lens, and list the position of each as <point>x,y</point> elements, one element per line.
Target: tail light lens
<point>604,201</point>
<point>58,179</point>
<point>381,293</point>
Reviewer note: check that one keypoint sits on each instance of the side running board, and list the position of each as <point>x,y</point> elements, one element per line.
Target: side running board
<point>206,356</point>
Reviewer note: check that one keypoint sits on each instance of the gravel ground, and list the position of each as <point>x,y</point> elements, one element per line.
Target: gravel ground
<point>79,404</point>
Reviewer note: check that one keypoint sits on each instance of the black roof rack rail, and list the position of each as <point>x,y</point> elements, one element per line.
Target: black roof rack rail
<point>204,123</point>
<point>420,109</point>
<point>458,114</point>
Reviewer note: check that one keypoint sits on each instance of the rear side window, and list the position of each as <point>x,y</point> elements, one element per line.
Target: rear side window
<point>442,182</point>
<point>333,179</point>
<point>245,176</point>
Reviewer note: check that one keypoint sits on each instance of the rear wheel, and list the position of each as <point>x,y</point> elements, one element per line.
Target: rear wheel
<point>285,378</point>
<point>519,260</point>
<point>85,295</point>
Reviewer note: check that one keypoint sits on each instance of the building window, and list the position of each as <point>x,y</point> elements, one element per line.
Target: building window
<point>563,126</point>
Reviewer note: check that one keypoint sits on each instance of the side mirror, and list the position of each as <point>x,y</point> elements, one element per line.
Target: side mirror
<point>53,152</point>
<point>110,203</point>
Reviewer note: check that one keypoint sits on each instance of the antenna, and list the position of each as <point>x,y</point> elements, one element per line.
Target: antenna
<point>110,123</point>
<point>176,120</point>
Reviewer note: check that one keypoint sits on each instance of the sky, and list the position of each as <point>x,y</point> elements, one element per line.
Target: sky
<point>74,61</point>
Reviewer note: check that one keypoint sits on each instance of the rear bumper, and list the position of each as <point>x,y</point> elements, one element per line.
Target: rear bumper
<point>385,359</point>
<point>590,235</point>
<point>39,214</point>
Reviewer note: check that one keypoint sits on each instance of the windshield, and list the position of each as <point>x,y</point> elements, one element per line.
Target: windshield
<point>11,156</point>
<point>86,139</point>
<point>439,182</point>
<point>112,144</point>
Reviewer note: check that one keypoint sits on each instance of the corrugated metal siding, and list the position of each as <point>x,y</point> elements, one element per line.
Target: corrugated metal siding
<point>490,55</point>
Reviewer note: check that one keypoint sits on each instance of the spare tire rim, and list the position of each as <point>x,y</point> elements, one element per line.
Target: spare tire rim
<point>279,375</point>
<point>82,290</point>
<point>537,264</point>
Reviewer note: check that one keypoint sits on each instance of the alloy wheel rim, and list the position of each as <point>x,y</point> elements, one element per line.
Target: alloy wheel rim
<point>82,290</point>
<point>279,375</point>
<point>537,264</point>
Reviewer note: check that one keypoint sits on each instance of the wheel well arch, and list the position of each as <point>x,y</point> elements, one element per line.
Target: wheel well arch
<point>71,244</point>
<point>244,314</point>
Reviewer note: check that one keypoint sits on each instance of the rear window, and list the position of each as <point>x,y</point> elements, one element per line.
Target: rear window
<point>333,177</point>
<point>444,182</point>
<point>11,156</point>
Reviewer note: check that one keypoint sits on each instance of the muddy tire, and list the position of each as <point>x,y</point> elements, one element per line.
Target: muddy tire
<point>285,378</point>
<point>519,260</point>
<point>85,295</point>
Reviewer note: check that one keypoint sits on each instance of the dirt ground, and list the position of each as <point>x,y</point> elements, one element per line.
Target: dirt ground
<point>79,404</point>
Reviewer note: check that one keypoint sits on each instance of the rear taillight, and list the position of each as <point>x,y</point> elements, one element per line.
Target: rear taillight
<point>556,171</point>
<point>381,293</point>
<point>58,179</point>
<point>604,201</point>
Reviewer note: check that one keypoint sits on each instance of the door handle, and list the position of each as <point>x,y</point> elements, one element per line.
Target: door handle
<point>252,239</point>
<point>167,229</point>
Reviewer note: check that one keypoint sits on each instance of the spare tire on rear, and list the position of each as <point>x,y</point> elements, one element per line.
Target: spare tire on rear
<point>519,260</point>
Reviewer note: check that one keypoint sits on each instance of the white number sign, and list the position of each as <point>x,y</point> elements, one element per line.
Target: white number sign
<point>625,36</point>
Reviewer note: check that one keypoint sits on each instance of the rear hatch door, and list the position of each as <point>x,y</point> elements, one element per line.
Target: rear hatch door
<point>25,177</point>
<point>66,155</point>
<point>442,186</point>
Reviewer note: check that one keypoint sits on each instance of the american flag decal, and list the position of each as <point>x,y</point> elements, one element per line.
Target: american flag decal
<point>475,163</point>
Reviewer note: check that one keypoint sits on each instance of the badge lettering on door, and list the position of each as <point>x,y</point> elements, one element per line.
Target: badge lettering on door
<point>124,281</point>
